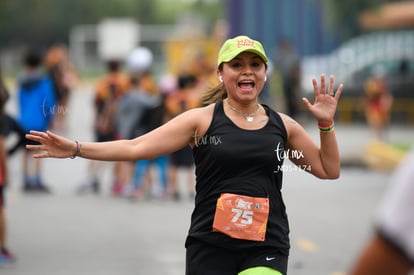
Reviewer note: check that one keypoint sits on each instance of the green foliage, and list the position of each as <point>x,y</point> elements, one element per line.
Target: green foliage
<point>43,22</point>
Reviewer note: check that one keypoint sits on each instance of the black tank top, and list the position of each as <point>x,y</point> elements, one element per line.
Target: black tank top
<point>229,159</point>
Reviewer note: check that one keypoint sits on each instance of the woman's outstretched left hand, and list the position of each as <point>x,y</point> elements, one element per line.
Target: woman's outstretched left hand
<point>326,100</point>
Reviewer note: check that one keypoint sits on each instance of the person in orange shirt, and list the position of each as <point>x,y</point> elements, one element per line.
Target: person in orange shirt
<point>64,78</point>
<point>184,98</point>
<point>109,89</point>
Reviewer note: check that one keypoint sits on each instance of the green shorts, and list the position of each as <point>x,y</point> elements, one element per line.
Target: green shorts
<point>260,270</point>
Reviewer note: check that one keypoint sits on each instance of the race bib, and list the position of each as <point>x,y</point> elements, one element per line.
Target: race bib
<point>241,217</point>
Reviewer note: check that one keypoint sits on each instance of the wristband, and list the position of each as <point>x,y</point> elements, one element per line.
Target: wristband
<point>326,127</point>
<point>78,150</point>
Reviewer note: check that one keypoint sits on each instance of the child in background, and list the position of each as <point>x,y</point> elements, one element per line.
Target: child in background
<point>36,103</point>
<point>378,103</point>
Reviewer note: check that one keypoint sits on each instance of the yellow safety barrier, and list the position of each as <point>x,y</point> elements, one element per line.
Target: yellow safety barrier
<point>382,156</point>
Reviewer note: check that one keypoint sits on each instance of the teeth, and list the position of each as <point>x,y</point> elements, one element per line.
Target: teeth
<point>241,84</point>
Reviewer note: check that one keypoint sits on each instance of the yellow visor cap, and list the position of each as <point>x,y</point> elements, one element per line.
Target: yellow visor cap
<point>234,46</point>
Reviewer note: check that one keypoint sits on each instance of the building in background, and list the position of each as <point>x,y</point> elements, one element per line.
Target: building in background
<point>300,21</point>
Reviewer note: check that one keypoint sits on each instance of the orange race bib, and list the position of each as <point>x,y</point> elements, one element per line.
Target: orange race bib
<point>241,217</point>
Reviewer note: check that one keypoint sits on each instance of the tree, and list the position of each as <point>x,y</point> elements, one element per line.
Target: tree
<point>42,22</point>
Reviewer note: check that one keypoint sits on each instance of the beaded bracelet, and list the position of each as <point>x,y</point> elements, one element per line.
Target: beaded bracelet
<point>78,150</point>
<point>326,127</point>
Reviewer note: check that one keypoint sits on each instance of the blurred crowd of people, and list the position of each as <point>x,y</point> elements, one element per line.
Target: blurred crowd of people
<point>129,101</point>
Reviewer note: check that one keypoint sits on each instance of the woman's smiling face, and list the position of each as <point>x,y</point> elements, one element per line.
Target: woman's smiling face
<point>244,76</point>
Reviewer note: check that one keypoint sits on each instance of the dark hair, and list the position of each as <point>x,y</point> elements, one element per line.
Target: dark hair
<point>32,58</point>
<point>134,80</point>
<point>185,81</point>
<point>113,65</point>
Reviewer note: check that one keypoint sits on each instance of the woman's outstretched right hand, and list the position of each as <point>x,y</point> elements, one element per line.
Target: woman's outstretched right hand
<point>51,145</point>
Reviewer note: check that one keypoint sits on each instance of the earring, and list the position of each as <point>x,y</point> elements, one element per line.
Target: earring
<point>265,78</point>
<point>220,78</point>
